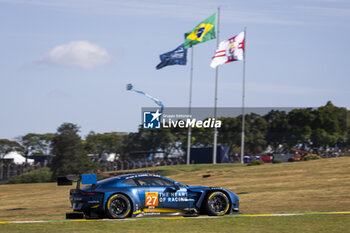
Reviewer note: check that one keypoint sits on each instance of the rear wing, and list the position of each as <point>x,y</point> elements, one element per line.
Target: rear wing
<point>84,179</point>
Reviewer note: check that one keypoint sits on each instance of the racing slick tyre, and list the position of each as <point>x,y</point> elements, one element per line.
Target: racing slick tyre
<point>118,206</point>
<point>216,204</point>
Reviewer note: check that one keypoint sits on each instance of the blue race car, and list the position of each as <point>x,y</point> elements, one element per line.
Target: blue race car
<point>136,195</point>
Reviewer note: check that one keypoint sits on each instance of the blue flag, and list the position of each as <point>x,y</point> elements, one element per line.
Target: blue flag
<point>176,57</point>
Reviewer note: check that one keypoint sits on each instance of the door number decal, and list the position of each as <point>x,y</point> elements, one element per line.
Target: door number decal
<point>151,198</point>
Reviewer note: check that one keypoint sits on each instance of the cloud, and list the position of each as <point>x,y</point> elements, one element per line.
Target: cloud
<point>81,54</point>
<point>260,12</point>
<point>237,12</point>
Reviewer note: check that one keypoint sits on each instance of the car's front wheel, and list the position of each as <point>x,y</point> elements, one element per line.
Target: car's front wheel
<point>217,204</point>
<point>118,206</point>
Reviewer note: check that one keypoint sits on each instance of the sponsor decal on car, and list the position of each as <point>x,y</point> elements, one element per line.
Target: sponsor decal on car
<point>173,197</point>
<point>93,201</point>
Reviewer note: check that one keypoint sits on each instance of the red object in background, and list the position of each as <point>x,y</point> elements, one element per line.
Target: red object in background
<point>266,158</point>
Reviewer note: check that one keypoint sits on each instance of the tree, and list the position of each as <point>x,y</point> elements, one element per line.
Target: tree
<point>329,125</point>
<point>255,131</point>
<point>300,123</point>
<point>202,136</point>
<point>36,144</point>
<point>68,151</point>
<point>347,127</point>
<point>278,131</point>
<point>180,135</point>
<point>105,143</point>
<point>7,146</point>
<point>230,132</point>
<point>149,140</point>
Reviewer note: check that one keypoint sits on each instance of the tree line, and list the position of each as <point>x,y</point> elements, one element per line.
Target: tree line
<point>326,126</point>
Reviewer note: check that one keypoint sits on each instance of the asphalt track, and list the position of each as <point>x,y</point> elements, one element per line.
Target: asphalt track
<point>200,217</point>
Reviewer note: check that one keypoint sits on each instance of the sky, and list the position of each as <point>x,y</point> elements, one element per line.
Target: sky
<point>70,60</point>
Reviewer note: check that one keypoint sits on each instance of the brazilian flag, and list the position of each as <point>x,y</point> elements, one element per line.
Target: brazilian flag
<point>203,32</point>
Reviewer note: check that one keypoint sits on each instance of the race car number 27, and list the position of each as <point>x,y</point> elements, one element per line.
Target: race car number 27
<point>151,198</point>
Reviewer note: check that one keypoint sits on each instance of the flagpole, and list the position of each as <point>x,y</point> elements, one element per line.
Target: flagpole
<point>216,89</point>
<point>189,112</point>
<point>243,95</point>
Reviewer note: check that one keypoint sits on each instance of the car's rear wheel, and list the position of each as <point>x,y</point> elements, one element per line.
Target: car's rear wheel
<point>118,206</point>
<point>216,204</point>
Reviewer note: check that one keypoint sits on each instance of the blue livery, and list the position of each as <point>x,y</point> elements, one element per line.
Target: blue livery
<point>136,195</point>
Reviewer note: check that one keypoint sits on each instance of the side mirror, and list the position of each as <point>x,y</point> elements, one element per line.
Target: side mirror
<point>176,186</point>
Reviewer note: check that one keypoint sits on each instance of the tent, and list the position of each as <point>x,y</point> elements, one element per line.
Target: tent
<point>17,158</point>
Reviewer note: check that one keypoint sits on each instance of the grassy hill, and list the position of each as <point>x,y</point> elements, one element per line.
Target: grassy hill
<point>320,185</point>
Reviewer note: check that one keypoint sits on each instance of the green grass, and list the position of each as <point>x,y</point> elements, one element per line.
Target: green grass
<point>319,224</point>
<point>311,186</point>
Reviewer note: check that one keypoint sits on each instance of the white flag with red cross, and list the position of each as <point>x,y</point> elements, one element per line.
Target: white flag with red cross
<point>229,50</point>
